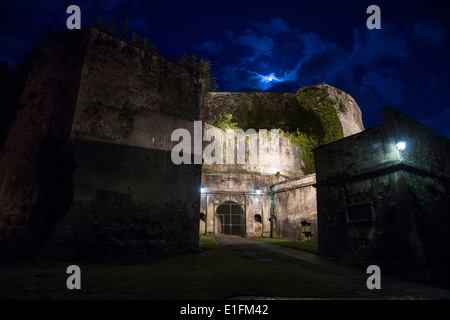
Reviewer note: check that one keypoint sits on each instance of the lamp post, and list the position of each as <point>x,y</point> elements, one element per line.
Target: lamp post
<point>257,191</point>
<point>203,190</point>
<point>272,203</point>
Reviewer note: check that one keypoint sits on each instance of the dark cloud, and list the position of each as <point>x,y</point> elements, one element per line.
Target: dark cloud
<point>365,68</point>
<point>404,64</point>
<point>429,32</point>
<point>235,78</point>
<point>276,26</point>
<point>371,46</point>
<point>319,61</point>
<point>211,46</point>
<point>374,66</point>
<point>385,86</point>
<point>440,123</point>
<point>260,44</point>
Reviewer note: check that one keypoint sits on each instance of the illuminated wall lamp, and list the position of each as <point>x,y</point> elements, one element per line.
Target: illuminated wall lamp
<point>401,145</point>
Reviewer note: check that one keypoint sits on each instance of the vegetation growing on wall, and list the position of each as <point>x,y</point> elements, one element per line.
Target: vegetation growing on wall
<point>200,68</point>
<point>127,35</point>
<point>309,118</point>
<point>326,125</point>
<point>342,106</point>
<point>225,122</point>
<point>258,114</point>
<point>306,144</point>
<point>272,113</point>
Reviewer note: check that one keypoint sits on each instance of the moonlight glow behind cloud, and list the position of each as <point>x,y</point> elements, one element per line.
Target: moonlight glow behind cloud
<point>279,46</point>
<point>268,81</point>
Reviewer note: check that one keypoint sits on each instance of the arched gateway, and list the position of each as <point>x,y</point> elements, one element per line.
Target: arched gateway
<point>231,217</point>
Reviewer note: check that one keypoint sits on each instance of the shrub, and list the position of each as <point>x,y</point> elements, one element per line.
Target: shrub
<point>224,122</point>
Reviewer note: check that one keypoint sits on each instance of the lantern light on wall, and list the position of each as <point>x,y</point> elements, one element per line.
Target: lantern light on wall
<point>401,145</point>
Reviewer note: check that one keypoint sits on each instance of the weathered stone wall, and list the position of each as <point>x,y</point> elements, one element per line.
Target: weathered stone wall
<point>37,155</point>
<point>219,103</point>
<point>375,149</point>
<point>295,209</point>
<point>425,149</point>
<point>376,203</point>
<point>119,105</point>
<point>348,111</point>
<point>237,182</point>
<point>272,156</point>
<point>285,209</point>
<point>294,201</point>
<point>129,104</point>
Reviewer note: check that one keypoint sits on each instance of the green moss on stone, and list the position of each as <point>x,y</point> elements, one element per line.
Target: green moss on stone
<point>325,124</point>
<point>306,144</point>
<point>309,117</point>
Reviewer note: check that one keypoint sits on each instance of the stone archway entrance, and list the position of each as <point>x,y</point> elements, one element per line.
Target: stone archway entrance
<point>231,219</point>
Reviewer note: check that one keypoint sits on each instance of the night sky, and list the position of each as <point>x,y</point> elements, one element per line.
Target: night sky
<point>279,45</point>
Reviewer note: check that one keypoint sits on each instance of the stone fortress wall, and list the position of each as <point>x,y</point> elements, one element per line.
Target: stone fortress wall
<point>380,204</point>
<point>112,107</point>
<point>287,206</point>
<point>87,171</point>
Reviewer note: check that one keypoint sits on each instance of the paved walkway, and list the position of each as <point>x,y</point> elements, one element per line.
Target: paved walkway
<point>309,262</point>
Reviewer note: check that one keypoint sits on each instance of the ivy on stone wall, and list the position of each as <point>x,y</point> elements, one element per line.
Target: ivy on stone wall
<point>316,122</point>
<point>256,115</point>
<point>327,126</point>
<point>306,143</point>
<point>308,117</point>
<point>271,113</point>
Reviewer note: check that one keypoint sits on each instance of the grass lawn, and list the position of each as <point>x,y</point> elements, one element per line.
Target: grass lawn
<point>305,246</point>
<point>213,273</point>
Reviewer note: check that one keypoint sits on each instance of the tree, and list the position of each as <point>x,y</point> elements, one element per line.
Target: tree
<point>201,68</point>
